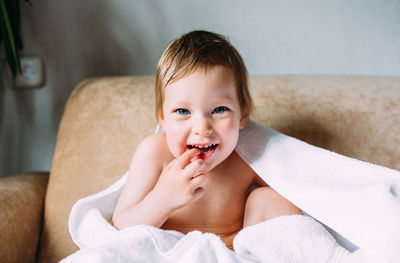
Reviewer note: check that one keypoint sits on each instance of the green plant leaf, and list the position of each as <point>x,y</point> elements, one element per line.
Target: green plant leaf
<point>12,7</point>
<point>7,37</point>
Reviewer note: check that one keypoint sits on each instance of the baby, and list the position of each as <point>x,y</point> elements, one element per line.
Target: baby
<point>190,177</point>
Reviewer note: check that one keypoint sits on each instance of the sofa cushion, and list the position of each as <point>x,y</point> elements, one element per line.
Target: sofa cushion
<point>21,210</point>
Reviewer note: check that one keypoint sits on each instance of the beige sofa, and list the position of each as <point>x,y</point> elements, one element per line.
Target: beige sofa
<point>105,118</point>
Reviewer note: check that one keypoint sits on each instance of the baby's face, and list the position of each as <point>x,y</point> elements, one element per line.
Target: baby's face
<point>202,110</point>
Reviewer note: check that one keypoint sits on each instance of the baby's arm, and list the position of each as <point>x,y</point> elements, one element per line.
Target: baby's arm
<point>132,207</point>
<point>152,193</point>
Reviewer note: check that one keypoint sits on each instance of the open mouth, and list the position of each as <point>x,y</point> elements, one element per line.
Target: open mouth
<point>203,148</point>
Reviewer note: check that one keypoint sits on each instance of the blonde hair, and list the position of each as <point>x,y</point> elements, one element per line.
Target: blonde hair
<point>201,49</point>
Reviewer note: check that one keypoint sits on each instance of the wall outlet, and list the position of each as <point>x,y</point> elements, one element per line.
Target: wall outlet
<point>32,69</point>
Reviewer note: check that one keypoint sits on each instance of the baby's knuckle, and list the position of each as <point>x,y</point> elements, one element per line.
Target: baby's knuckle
<point>188,194</point>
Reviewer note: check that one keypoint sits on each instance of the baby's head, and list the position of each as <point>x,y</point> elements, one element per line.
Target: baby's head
<point>201,50</point>
<point>202,98</point>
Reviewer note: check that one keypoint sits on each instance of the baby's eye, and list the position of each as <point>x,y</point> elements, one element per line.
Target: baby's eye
<point>182,111</point>
<point>220,109</point>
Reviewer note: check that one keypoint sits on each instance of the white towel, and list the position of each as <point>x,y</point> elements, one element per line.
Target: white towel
<point>357,202</point>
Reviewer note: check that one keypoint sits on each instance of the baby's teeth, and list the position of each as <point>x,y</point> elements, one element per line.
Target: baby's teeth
<point>203,146</point>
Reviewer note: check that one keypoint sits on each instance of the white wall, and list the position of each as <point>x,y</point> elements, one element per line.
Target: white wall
<point>81,39</point>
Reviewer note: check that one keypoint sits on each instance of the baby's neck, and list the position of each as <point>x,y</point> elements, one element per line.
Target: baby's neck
<point>225,165</point>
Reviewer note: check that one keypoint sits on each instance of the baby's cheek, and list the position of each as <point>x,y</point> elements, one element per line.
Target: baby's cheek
<point>174,147</point>
<point>233,136</point>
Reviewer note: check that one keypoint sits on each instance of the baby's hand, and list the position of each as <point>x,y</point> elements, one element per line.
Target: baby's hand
<point>180,182</point>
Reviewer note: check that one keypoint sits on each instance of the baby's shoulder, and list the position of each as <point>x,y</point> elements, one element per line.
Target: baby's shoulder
<point>153,143</point>
<point>153,140</point>
<point>155,147</point>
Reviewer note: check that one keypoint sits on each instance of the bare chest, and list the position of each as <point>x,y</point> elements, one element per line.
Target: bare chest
<point>221,209</point>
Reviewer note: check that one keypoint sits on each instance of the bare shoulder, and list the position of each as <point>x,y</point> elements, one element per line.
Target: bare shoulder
<point>152,148</point>
<point>152,143</point>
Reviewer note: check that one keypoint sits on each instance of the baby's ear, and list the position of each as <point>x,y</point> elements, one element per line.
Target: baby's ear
<point>244,120</point>
<point>161,120</point>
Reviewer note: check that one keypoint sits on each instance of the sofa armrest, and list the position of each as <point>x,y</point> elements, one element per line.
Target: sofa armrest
<point>21,210</point>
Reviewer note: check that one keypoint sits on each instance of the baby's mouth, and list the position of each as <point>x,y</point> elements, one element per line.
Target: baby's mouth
<point>203,148</point>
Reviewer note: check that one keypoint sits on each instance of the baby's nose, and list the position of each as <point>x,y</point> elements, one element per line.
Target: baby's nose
<point>202,127</point>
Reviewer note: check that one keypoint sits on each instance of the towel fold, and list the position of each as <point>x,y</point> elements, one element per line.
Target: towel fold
<point>357,202</point>
<point>291,239</point>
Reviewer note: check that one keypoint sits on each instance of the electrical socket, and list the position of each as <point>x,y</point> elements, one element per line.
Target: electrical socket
<point>32,73</point>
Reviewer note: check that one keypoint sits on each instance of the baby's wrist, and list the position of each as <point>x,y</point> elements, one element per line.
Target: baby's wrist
<point>159,203</point>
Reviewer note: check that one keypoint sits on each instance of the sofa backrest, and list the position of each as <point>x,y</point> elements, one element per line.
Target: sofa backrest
<point>105,119</point>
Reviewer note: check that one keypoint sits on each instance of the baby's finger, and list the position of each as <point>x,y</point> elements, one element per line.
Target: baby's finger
<point>193,168</point>
<point>185,158</point>
<point>198,181</point>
